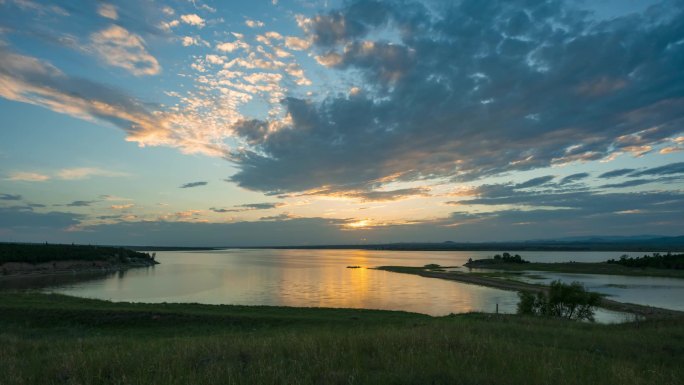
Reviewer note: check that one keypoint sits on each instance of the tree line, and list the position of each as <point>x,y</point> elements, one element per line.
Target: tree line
<point>38,253</point>
<point>657,260</point>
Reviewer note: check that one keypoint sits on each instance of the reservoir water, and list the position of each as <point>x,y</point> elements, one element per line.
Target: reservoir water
<point>320,278</point>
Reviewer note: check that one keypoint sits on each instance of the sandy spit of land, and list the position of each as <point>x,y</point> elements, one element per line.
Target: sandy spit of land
<point>640,310</point>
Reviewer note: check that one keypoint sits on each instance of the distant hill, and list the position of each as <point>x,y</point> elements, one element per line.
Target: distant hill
<point>647,243</point>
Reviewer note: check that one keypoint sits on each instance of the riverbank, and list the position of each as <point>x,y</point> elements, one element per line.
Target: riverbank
<point>19,270</point>
<point>577,268</point>
<point>57,339</point>
<point>19,260</point>
<point>512,285</point>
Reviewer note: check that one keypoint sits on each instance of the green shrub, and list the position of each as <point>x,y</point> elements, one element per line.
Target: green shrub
<point>571,301</point>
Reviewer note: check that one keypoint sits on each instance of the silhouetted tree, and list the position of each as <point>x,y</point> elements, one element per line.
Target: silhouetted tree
<point>571,301</point>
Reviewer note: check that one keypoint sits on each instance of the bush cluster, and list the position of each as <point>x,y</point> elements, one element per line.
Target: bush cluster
<point>570,301</point>
<point>508,258</point>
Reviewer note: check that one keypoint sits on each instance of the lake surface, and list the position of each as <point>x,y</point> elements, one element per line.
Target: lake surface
<point>316,278</point>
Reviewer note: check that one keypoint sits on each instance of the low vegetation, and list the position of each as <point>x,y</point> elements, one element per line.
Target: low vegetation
<point>669,265</point>
<point>53,339</point>
<point>571,301</point>
<point>40,253</point>
<point>498,259</point>
<point>657,260</point>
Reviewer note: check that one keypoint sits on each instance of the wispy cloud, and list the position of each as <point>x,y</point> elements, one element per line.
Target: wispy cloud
<point>574,177</point>
<point>118,47</point>
<point>28,177</point>
<point>194,184</point>
<point>249,207</point>
<point>80,203</point>
<point>65,174</point>
<point>10,197</point>
<point>629,183</point>
<point>668,169</point>
<point>368,194</point>
<point>114,198</point>
<point>616,173</point>
<point>261,206</point>
<point>108,11</point>
<point>30,80</point>
<point>87,172</point>
<point>122,207</point>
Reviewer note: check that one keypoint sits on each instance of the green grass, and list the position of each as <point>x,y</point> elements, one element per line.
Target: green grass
<point>53,339</point>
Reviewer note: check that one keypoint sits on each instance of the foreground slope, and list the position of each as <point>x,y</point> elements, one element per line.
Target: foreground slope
<point>57,339</point>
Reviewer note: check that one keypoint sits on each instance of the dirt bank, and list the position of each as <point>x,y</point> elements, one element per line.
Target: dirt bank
<point>13,270</point>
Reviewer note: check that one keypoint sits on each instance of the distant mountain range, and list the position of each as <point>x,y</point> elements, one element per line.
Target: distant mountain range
<point>646,243</point>
<point>610,238</point>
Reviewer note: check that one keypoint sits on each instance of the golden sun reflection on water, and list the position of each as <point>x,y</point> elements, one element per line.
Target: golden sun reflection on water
<point>364,287</point>
<point>302,278</point>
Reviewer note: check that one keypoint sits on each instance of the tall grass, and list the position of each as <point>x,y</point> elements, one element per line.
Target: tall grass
<point>48,339</point>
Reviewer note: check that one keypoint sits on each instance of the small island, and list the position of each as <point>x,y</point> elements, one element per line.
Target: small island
<point>24,260</point>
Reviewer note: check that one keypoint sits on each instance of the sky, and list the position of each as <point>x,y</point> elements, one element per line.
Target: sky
<point>257,123</point>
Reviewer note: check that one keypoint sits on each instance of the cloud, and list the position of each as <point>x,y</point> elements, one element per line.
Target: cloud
<point>167,26</point>
<point>113,198</point>
<point>261,206</point>
<point>629,183</point>
<point>28,177</point>
<point>231,46</point>
<point>462,92</point>
<point>108,11</point>
<point>369,195</point>
<point>297,43</point>
<point>616,173</point>
<point>122,207</point>
<point>87,172</point>
<point>33,222</point>
<point>669,169</point>
<point>41,9</point>
<point>534,182</point>
<point>29,80</point>
<point>248,207</point>
<point>80,203</point>
<point>188,41</point>
<point>10,197</point>
<point>574,177</point>
<point>254,23</point>
<point>593,215</point>
<point>194,184</point>
<point>584,205</point>
<point>193,19</point>
<point>279,217</point>
<point>218,210</point>
<point>118,47</point>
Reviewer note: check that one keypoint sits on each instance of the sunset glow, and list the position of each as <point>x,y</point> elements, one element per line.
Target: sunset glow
<point>218,123</point>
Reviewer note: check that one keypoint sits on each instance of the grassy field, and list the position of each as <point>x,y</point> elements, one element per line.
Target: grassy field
<point>53,339</point>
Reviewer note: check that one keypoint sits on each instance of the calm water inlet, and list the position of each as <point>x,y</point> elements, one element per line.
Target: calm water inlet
<point>311,278</point>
